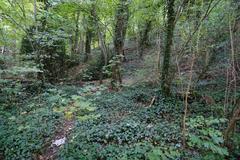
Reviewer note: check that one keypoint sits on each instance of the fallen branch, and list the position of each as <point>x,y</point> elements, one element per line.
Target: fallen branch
<point>152,101</point>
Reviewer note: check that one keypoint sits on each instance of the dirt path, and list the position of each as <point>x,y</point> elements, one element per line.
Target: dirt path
<point>61,135</point>
<point>59,139</point>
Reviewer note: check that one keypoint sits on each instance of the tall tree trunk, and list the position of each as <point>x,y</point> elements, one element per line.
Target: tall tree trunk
<point>144,37</point>
<point>71,43</point>
<point>122,16</point>
<point>76,37</point>
<point>231,125</point>
<point>81,43</point>
<point>88,43</point>
<point>101,39</point>
<point>236,32</point>
<point>236,3</point>
<point>35,10</point>
<point>166,80</point>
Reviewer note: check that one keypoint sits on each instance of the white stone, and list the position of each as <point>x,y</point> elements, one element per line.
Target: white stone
<point>59,142</point>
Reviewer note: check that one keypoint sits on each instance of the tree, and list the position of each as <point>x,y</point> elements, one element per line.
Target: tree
<point>166,79</point>
<point>144,37</point>
<point>88,43</point>
<point>121,18</point>
<point>76,36</point>
<point>48,47</point>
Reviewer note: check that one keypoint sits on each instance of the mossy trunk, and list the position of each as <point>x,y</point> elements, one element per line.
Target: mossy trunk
<point>76,37</point>
<point>122,16</point>
<point>166,79</point>
<point>144,42</point>
<point>88,45</point>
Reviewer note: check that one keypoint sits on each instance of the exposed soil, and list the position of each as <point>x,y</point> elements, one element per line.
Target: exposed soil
<point>62,133</point>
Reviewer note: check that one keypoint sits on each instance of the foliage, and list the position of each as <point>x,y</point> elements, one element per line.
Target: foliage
<point>204,135</point>
<point>113,62</point>
<point>28,137</point>
<point>120,131</point>
<point>163,154</point>
<point>94,69</point>
<point>142,73</point>
<point>27,119</point>
<point>47,50</point>
<point>118,125</point>
<point>236,144</point>
<point>47,40</point>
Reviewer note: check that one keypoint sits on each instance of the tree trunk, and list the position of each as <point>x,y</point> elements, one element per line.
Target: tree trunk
<point>75,43</point>
<point>122,16</point>
<point>88,44</point>
<point>144,37</point>
<point>236,28</point>
<point>236,31</point>
<point>101,39</point>
<point>232,122</point>
<point>35,10</point>
<point>81,44</point>
<point>166,80</point>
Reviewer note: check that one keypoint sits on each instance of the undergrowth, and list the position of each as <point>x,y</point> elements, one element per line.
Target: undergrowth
<point>130,128</point>
<point>30,122</point>
<point>134,123</point>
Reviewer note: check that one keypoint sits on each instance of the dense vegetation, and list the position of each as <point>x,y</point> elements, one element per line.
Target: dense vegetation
<point>119,79</point>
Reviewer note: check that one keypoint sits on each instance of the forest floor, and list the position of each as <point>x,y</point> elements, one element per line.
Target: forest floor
<point>131,123</point>
<point>89,121</point>
<point>61,136</point>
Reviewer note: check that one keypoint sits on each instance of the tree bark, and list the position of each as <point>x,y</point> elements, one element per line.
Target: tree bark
<point>81,43</point>
<point>35,10</point>
<point>166,80</point>
<point>76,38</point>
<point>232,122</point>
<point>88,43</point>
<point>101,39</point>
<point>144,37</point>
<point>122,16</point>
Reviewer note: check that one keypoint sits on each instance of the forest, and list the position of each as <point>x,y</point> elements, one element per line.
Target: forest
<point>119,79</point>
